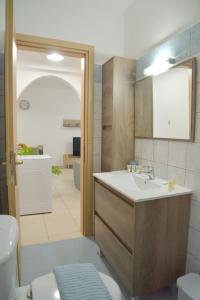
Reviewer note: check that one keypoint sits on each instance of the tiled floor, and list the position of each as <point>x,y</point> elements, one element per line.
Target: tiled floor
<point>37,260</point>
<point>63,222</point>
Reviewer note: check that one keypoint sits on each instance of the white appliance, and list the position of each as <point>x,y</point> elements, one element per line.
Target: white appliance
<point>42,288</point>
<point>35,184</point>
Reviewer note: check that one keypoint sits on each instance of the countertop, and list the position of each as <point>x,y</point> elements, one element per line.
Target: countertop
<point>138,188</point>
<point>43,156</point>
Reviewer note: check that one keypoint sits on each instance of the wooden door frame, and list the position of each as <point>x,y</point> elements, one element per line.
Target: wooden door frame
<point>41,44</point>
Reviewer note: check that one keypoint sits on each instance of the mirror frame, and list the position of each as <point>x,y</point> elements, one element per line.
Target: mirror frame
<point>193,62</point>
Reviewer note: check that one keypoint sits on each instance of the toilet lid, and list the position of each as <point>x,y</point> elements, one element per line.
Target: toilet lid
<point>45,287</point>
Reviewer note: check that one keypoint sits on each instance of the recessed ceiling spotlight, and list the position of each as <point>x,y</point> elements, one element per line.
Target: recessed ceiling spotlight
<point>55,57</point>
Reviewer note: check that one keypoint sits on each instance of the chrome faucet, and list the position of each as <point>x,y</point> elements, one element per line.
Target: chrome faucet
<point>149,171</point>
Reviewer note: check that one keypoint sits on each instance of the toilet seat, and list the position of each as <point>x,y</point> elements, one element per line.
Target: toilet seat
<point>45,287</point>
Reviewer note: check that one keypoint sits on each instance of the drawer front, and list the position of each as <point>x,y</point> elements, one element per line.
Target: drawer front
<point>116,212</point>
<point>117,255</point>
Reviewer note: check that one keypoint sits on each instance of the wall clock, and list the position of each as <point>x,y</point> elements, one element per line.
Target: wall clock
<point>24,104</point>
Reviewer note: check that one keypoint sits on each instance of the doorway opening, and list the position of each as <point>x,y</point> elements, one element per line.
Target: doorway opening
<point>71,170</point>
<point>48,138</point>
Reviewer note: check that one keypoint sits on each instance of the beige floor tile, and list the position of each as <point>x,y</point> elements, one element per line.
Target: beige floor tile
<point>75,212</point>
<point>30,220</point>
<point>78,221</point>
<point>68,187</point>
<point>60,223</point>
<point>33,233</point>
<point>76,215</point>
<point>73,206</point>
<point>71,196</point>
<point>56,194</point>
<point>65,236</point>
<point>58,205</point>
<point>63,223</point>
<point>25,241</point>
<point>72,199</point>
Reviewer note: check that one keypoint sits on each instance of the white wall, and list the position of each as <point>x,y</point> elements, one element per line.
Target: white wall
<point>52,100</point>
<point>89,21</point>
<point>25,76</point>
<point>148,23</point>
<point>112,27</point>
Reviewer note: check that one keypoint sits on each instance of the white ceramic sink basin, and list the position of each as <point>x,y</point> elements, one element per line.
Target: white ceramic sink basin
<point>138,187</point>
<point>144,183</point>
<point>131,180</point>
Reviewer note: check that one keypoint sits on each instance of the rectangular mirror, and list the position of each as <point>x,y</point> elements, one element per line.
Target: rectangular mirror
<point>165,104</point>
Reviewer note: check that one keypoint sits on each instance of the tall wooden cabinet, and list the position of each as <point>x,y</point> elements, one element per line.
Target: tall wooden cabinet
<point>144,108</point>
<point>117,113</point>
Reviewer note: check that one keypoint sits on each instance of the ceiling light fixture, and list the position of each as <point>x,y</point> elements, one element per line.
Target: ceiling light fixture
<point>159,66</point>
<point>55,57</point>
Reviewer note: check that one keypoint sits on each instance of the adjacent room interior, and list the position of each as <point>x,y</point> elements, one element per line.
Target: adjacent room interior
<point>48,138</point>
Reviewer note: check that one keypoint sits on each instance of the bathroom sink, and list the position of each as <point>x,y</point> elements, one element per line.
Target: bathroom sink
<point>131,180</point>
<point>138,187</point>
<point>144,183</point>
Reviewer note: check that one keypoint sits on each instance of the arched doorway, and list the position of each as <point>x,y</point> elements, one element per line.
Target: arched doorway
<point>51,101</point>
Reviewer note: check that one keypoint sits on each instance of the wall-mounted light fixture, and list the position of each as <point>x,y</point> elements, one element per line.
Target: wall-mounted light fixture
<point>55,57</point>
<point>159,66</point>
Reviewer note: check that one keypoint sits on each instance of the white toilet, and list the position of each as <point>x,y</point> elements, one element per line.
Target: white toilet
<point>42,288</point>
<point>189,287</point>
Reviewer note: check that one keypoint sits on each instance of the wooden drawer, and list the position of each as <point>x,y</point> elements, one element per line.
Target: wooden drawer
<point>117,255</point>
<point>116,212</point>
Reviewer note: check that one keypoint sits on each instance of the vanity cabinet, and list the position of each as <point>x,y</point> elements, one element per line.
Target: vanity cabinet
<point>144,242</point>
<point>117,113</point>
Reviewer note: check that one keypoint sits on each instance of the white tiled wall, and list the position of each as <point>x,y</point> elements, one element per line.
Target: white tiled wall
<point>181,161</point>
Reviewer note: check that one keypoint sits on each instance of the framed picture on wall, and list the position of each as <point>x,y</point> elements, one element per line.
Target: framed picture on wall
<point>71,123</point>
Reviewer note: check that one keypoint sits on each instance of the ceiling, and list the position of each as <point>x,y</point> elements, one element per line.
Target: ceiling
<point>115,27</point>
<point>38,60</point>
<point>122,5</point>
<point>150,22</point>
